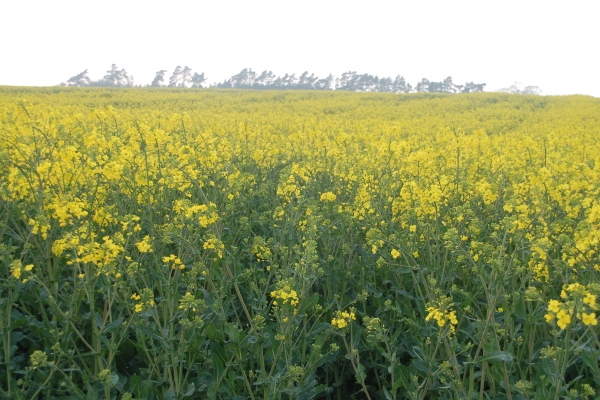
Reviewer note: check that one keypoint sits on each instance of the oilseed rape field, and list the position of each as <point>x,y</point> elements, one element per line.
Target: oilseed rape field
<point>223,244</point>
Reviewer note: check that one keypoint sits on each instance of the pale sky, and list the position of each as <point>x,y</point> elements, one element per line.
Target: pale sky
<point>550,44</point>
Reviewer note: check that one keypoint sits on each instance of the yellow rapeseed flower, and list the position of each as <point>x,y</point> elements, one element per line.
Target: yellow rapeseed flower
<point>589,319</point>
<point>328,196</point>
<point>343,318</point>
<point>553,306</point>
<point>590,299</point>
<point>563,319</point>
<point>144,246</point>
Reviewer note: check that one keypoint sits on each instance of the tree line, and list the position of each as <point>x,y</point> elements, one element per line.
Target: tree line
<point>267,80</point>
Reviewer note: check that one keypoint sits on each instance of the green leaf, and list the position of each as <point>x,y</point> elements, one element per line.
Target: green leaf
<point>421,365</point>
<point>15,293</point>
<point>404,292</point>
<point>16,336</point>
<point>170,394</point>
<point>213,333</point>
<point>233,332</point>
<point>360,373</point>
<point>318,329</point>
<point>98,319</point>
<point>135,386</point>
<point>208,298</point>
<point>394,338</point>
<point>149,332</point>
<point>309,303</point>
<point>15,392</point>
<point>496,357</point>
<point>590,361</point>
<point>417,352</point>
<point>219,358</point>
<point>320,389</point>
<point>356,334</point>
<point>108,328</point>
<point>190,390</point>
<point>388,395</point>
<point>18,320</point>
<point>399,376</point>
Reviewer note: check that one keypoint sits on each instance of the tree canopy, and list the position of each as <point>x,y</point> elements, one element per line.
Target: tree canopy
<point>351,81</point>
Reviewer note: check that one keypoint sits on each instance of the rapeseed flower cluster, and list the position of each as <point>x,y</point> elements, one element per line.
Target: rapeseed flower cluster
<point>174,261</point>
<point>261,249</point>
<point>144,300</point>
<point>343,318</point>
<point>441,311</point>
<point>18,270</point>
<point>577,302</point>
<point>214,244</point>
<point>144,245</point>
<point>189,303</point>
<point>442,316</point>
<point>285,295</point>
<point>328,196</point>
<point>376,329</point>
<point>38,359</point>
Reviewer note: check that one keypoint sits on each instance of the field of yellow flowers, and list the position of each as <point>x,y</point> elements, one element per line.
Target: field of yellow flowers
<point>172,244</point>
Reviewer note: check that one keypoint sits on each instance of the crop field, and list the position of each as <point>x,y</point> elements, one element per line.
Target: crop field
<point>223,244</point>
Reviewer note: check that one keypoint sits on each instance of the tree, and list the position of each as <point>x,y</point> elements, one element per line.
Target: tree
<point>423,86</point>
<point>265,80</point>
<point>81,79</point>
<point>531,90</point>
<point>519,88</point>
<point>400,85</point>
<point>112,76</point>
<point>224,84</point>
<point>186,77</point>
<point>448,87</point>
<point>445,86</point>
<point>116,77</point>
<point>286,82</point>
<point>175,79</point>
<point>198,80</point>
<point>347,81</point>
<point>307,82</point>
<point>326,83</point>
<point>244,79</point>
<point>366,83</point>
<point>471,87</point>
<point>385,85</point>
<point>159,79</point>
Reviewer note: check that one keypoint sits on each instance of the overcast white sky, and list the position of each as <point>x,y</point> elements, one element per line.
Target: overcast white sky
<point>550,44</point>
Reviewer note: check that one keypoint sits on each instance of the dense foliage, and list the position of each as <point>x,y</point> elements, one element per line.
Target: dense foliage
<point>350,81</point>
<point>237,244</point>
